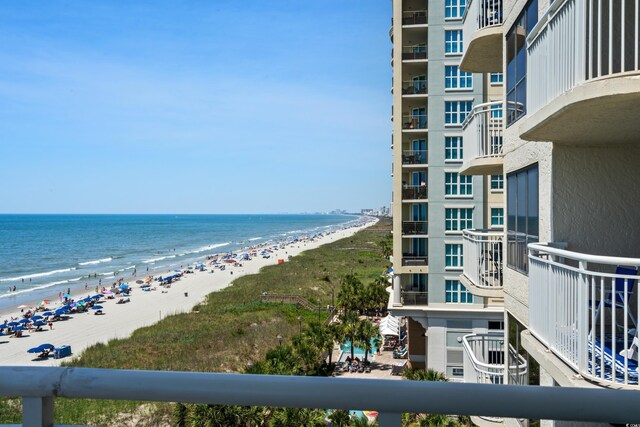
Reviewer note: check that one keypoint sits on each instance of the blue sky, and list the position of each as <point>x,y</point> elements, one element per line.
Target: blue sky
<point>217,106</point>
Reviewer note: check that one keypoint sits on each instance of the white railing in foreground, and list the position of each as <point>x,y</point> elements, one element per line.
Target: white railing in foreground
<point>483,257</point>
<point>580,40</point>
<point>478,15</point>
<point>482,131</point>
<point>38,386</point>
<point>584,309</point>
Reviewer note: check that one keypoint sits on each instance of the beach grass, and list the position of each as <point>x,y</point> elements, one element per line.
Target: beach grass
<point>231,327</point>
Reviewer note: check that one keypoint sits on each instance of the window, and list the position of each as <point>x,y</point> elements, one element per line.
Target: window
<point>517,62</point>
<point>453,148</point>
<point>456,293</point>
<point>457,185</point>
<point>419,282</point>
<point>456,219</point>
<point>496,111</point>
<point>453,255</point>
<point>497,217</point>
<point>522,216</point>
<point>497,182</point>
<point>456,111</point>
<point>496,78</point>
<point>454,9</point>
<point>453,42</point>
<point>454,78</point>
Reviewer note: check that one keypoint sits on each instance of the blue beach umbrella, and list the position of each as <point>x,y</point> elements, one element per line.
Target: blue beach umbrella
<point>96,307</point>
<point>3,326</point>
<point>61,311</point>
<point>24,321</point>
<point>87,299</point>
<point>39,323</point>
<point>48,313</point>
<point>67,295</point>
<point>36,318</point>
<point>13,323</point>
<point>19,328</point>
<point>41,348</point>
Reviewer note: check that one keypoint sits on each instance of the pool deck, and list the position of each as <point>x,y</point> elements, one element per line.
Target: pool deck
<point>380,366</point>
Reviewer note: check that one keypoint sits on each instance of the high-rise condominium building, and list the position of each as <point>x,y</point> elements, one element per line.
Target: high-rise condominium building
<point>441,212</point>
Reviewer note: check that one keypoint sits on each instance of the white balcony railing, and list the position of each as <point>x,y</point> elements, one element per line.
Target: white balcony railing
<point>484,353</point>
<point>484,361</point>
<point>480,14</point>
<point>584,308</point>
<point>483,257</point>
<point>482,131</point>
<point>580,40</point>
<point>37,386</point>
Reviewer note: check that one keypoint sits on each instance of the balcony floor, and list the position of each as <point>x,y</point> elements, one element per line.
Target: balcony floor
<point>598,112</point>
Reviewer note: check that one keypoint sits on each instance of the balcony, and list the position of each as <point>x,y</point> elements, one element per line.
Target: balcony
<point>583,74</point>
<point>584,309</point>
<point>415,227</point>
<point>482,37</point>
<point>414,298</point>
<point>482,271</point>
<point>38,386</point>
<point>415,157</point>
<point>414,122</point>
<point>414,89</point>
<point>414,192</point>
<point>414,53</point>
<point>416,17</point>
<point>413,260</point>
<point>484,354</point>
<point>482,134</point>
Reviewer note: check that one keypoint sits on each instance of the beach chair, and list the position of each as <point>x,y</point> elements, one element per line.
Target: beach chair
<point>616,367</point>
<point>615,299</point>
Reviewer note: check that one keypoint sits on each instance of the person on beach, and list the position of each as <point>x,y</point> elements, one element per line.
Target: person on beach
<point>50,325</point>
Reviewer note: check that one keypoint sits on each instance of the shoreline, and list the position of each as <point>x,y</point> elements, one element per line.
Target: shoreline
<point>31,296</point>
<point>146,308</point>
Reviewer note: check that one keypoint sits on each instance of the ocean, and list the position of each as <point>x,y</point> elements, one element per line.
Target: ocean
<point>41,255</point>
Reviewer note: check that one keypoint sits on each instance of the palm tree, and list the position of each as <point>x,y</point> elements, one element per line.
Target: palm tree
<point>285,417</point>
<point>340,418</point>
<point>423,375</point>
<point>367,331</point>
<point>321,337</point>
<point>349,293</point>
<point>350,325</point>
<point>362,421</point>
<point>436,420</point>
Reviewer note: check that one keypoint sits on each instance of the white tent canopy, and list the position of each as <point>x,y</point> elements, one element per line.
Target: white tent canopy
<point>390,325</point>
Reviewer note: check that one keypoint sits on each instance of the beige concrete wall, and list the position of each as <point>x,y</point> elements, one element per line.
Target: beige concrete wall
<point>596,206</point>
<point>397,133</point>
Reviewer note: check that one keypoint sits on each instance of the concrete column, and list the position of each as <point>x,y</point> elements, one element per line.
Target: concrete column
<point>397,301</point>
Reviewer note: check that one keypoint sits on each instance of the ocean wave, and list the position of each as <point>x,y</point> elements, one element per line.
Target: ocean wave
<point>254,238</point>
<point>98,261</point>
<point>154,260</point>
<point>130,267</point>
<point>32,276</point>
<point>35,288</point>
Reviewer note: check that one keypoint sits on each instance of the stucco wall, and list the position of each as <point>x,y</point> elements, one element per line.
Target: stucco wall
<point>596,204</point>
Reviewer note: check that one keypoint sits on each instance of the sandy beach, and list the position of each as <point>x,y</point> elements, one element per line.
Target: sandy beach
<point>145,308</point>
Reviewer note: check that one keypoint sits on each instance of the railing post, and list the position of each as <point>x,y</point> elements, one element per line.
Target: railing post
<point>390,419</point>
<point>582,303</point>
<point>37,411</point>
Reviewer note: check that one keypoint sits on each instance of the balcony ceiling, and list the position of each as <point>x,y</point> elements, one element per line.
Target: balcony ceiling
<point>483,166</point>
<point>596,113</point>
<point>484,53</point>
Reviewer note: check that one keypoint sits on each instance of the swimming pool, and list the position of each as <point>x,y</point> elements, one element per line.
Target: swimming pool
<point>346,347</point>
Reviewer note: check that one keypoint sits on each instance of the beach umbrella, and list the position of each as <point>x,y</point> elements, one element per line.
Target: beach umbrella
<point>39,323</point>
<point>96,297</point>
<point>3,326</point>
<point>47,313</point>
<point>67,295</point>
<point>87,299</point>
<point>62,311</point>
<point>44,302</point>
<point>19,328</point>
<point>96,307</point>
<point>36,318</point>
<point>41,348</point>
<point>24,321</point>
<point>13,323</point>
